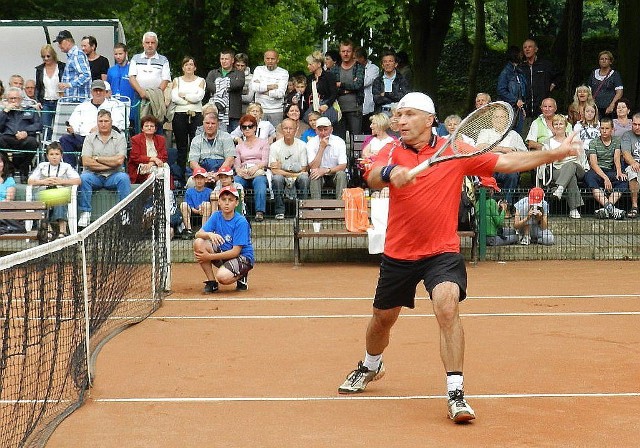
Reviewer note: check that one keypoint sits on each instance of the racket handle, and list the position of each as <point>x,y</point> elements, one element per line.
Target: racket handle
<point>413,172</point>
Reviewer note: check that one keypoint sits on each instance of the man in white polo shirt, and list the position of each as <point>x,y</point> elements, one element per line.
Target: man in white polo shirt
<point>149,70</point>
<point>327,155</point>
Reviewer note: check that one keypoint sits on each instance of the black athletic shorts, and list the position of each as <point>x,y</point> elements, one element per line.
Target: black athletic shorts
<point>399,278</point>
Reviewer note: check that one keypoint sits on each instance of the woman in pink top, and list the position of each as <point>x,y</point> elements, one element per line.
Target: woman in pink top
<point>252,158</point>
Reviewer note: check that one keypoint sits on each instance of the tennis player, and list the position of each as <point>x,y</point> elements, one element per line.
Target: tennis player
<point>422,243</point>
<point>224,242</point>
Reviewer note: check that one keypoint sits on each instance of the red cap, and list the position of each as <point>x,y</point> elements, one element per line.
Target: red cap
<point>536,195</point>
<point>200,172</point>
<point>230,190</point>
<point>225,170</point>
<point>489,182</point>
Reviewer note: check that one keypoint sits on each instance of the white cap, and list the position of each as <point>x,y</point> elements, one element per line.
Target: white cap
<point>417,100</point>
<point>323,121</point>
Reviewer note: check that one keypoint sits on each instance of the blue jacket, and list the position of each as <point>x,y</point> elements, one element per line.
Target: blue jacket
<point>512,84</point>
<point>20,120</point>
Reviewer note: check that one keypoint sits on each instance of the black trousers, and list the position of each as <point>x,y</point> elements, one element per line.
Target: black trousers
<point>184,129</point>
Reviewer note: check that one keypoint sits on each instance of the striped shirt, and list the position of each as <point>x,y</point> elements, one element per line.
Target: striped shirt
<point>77,73</point>
<point>150,72</point>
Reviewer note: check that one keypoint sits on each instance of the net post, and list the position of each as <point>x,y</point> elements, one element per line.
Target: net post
<point>87,317</point>
<point>166,178</point>
<point>482,228</point>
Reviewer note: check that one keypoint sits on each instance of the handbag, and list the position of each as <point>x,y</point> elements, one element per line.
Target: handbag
<point>334,114</point>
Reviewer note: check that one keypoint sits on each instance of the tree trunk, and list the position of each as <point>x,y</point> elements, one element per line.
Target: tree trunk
<point>464,33</point>
<point>479,47</point>
<point>628,60</point>
<point>196,33</point>
<point>428,26</point>
<point>574,48</point>
<point>518,22</point>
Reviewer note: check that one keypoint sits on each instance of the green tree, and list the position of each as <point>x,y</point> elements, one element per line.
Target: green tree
<point>628,49</point>
<point>479,46</point>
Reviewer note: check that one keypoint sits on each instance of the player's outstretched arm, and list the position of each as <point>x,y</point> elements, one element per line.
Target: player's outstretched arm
<point>524,161</point>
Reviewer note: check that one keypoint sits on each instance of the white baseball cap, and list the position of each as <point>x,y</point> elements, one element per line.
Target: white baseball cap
<point>417,100</point>
<point>323,121</point>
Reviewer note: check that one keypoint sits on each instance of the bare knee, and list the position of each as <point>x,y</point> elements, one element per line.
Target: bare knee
<point>383,320</point>
<point>445,298</point>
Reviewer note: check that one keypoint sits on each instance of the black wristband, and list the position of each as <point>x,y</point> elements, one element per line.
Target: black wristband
<point>385,174</point>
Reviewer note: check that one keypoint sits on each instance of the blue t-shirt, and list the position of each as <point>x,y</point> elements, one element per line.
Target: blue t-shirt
<point>306,135</point>
<point>194,197</point>
<point>235,231</point>
<point>118,77</point>
<point>4,186</point>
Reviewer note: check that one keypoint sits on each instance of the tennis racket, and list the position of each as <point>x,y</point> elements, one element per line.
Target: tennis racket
<point>480,132</point>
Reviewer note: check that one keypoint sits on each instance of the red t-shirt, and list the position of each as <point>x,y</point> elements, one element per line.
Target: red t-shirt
<point>423,217</point>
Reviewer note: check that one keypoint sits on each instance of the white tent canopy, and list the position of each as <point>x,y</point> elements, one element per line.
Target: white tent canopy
<point>22,40</point>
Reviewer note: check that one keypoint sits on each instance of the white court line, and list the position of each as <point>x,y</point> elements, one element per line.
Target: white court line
<point>310,299</point>
<point>358,397</point>
<point>358,316</point>
<point>136,319</point>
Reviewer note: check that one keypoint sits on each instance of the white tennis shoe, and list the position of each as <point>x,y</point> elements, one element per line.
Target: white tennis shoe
<point>358,379</point>
<point>459,409</point>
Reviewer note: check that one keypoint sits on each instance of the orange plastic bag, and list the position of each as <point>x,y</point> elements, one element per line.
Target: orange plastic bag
<point>356,210</point>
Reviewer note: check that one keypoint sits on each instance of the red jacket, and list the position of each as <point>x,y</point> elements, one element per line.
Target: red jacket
<point>138,155</point>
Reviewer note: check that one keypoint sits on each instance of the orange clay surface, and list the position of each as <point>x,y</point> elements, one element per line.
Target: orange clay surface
<point>552,360</point>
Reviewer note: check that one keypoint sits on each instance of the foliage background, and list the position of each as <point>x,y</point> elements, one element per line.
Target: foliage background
<point>201,28</point>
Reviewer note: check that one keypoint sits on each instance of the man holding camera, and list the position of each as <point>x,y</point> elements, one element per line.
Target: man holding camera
<point>531,219</point>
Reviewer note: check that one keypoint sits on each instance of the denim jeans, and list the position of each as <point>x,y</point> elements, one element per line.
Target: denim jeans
<point>301,188</point>
<point>259,185</point>
<point>90,181</point>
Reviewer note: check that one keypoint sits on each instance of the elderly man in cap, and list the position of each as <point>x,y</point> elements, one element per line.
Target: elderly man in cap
<point>327,156</point>
<point>83,120</point>
<point>422,244</point>
<point>18,130</point>
<point>76,78</point>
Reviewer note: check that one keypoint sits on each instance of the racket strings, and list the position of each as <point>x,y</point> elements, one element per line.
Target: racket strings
<point>483,130</point>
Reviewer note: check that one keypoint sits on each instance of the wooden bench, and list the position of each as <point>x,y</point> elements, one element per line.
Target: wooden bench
<point>331,211</point>
<point>23,211</point>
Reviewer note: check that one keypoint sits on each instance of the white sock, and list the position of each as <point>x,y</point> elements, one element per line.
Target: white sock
<point>454,381</point>
<point>372,362</point>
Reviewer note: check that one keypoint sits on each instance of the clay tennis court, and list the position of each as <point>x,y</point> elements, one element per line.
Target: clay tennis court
<point>552,359</point>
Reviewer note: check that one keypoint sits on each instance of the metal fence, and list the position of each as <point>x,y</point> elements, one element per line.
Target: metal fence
<point>587,238</point>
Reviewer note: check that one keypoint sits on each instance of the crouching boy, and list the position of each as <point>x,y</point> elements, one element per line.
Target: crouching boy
<point>224,243</point>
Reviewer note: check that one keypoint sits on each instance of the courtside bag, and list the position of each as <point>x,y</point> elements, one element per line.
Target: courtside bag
<point>379,216</point>
<point>356,214</point>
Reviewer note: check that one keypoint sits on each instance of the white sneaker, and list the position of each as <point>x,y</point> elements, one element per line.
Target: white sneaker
<point>358,379</point>
<point>575,214</point>
<point>84,219</point>
<point>618,214</point>
<point>459,409</point>
<point>526,240</point>
<point>558,192</point>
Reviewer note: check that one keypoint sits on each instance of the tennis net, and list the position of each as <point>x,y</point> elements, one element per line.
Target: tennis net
<point>62,301</point>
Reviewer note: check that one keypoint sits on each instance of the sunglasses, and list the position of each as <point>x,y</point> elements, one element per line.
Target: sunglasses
<point>46,56</point>
<point>247,126</point>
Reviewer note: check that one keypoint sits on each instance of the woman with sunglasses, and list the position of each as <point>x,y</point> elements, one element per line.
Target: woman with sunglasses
<point>48,75</point>
<point>252,158</point>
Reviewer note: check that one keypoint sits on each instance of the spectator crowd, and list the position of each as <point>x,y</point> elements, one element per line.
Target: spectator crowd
<point>284,135</point>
